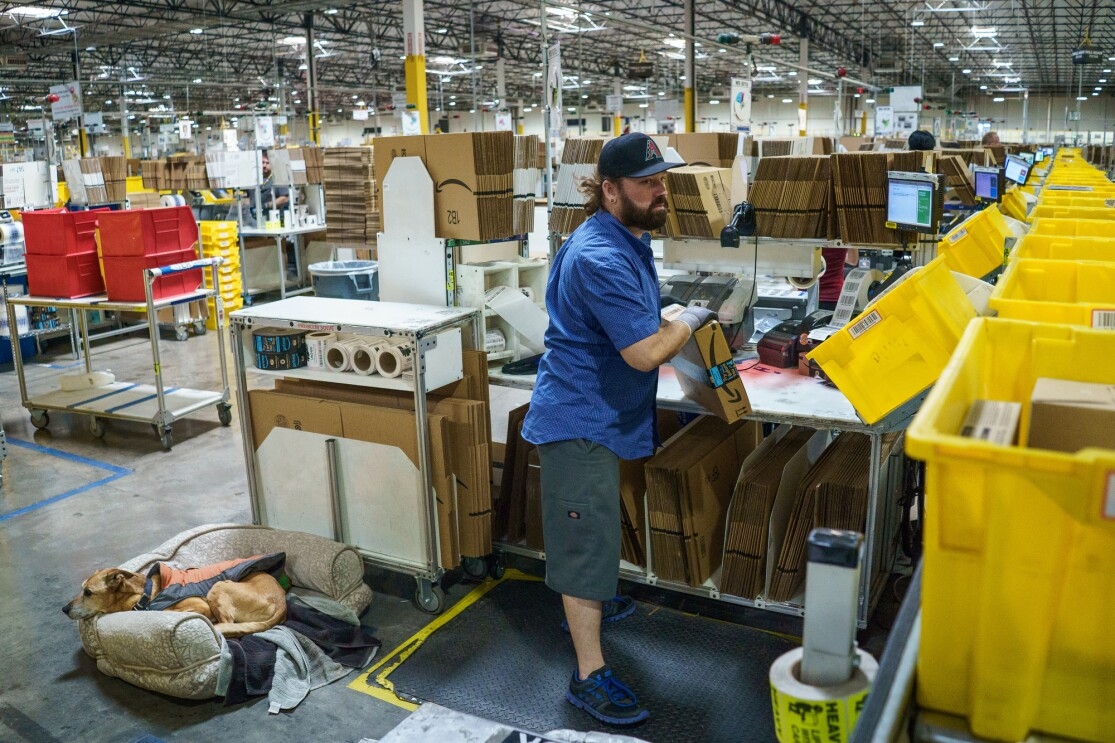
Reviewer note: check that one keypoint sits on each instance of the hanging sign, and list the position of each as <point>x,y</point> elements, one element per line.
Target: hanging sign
<point>884,121</point>
<point>185,129</point>
<point>265,131</point>
<point>741,104</point>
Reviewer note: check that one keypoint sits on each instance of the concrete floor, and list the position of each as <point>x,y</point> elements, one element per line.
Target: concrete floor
<point>71,503</point>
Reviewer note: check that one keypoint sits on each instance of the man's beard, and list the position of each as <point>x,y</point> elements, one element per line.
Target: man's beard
<point>648,219</point>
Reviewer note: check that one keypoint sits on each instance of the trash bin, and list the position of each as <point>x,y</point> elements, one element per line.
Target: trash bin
<point>346,279</point>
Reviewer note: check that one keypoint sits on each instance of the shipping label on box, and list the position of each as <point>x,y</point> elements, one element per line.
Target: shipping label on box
<point>708,376</point>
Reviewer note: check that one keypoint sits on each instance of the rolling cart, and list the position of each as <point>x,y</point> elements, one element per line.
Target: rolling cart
<point>155,404</point>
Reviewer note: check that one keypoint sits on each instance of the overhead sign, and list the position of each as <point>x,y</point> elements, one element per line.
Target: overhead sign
<point>230,139</point>
<point>185,129</point>
<point>359,114</point>
<point>906,98</point>
<point>554,82</point>
<point>95,122</point>
<point>905,123</point>
<point>412,123</point>
<point>265,131</point>
<point>503,122</point>
<point>614,104</point>
<point>741,104</point>
<point>68,105</point>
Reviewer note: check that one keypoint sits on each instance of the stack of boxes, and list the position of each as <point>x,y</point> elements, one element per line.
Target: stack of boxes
<point>62,253</point>
<point>351,195</point>
<point>134,240</point>
<point>220,240</point>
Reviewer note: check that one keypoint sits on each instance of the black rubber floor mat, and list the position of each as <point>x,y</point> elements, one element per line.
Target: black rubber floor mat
<point>507,659</point>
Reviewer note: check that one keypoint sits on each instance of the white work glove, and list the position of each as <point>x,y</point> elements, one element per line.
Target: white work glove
<point>696,317</point>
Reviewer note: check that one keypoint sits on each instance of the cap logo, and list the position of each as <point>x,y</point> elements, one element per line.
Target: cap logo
<point>652,151</point>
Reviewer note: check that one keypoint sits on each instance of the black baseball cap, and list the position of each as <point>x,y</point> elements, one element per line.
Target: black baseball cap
<point>632,155</point>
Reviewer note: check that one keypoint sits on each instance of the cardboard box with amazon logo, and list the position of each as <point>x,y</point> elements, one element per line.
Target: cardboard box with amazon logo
<point>706,372</point>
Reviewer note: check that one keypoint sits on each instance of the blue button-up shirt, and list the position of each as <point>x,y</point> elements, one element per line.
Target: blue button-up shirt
<point>602,296</point>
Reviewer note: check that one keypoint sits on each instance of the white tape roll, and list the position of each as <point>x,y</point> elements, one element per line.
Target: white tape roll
<point>338,355</point>
<point>495,341</point>
<point>11,233</point>
<point>829,713</point>
<point>394,358</point>
<point>316,344</point>
<point>173,199</point>
<point>364,357</point>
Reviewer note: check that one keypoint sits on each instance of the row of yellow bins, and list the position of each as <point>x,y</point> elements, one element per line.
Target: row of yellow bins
<point>1018,594</point>
<point>222,239</point>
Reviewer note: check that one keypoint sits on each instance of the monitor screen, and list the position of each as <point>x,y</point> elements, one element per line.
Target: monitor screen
<point>911,202</point>
<point>1039,155</point>
<point>1017,170</point>
<point>1048,151</point>
<point>1027,156</point>
<point>987,183</point>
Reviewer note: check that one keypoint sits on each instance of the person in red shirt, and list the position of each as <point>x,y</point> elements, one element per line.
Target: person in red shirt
<point>830,284</point>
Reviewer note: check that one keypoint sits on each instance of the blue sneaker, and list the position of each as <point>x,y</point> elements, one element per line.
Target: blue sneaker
<point>606,698</point>
<point>613,610</point>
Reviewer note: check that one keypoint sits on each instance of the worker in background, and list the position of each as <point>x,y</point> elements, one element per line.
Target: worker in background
<point>921,140</point>
<point>270,195</point>
<point>594,401</point>
<point>831,282</point>
<point>991,139</point>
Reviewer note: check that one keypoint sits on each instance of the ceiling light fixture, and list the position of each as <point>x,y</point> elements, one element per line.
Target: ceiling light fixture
<point>917,23</point>
<point>938,44</point>
<point>32,11</point>
<point>197,79</point>
<point>196,31</point>
<point>984,32</point>
<point>787,100</point>
<point>714,103</point>
<point>293,40</point>
<point>998,99</point>
<point>954,59</point>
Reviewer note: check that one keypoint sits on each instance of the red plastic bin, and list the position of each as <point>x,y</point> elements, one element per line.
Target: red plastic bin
<point>124,276</point>
<point>61,233</point>
<point>64,276</point>
<point>138,232</point>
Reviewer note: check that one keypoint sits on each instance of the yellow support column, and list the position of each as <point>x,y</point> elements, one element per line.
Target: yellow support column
<point>414,43</point>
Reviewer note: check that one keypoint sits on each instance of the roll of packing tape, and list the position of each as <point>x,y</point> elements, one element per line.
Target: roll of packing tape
<point>281,360</point>
<point>338,355</point>
<point>495,341</point>
<point>279,340</point>
<point>173,199</point>
<point>364,357</point>
<point>11,233</point>
<point>395,358</point>
<point>316,343</point>
<point>829,713</point>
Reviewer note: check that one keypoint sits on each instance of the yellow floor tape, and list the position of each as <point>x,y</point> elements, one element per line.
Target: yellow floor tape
<point>374,681</point>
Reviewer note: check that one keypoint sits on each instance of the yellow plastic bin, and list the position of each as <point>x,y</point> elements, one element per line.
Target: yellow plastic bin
<point>1018,589</point>
<point>1073,227</point>
<point>898,346</point>
<point>977,245</point>
<point>1071,248</point>
<point>1073,212</point>
<point>1067,292</point>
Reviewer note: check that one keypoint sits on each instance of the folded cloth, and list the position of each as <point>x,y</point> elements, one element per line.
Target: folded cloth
<point>300,667</point>
<point>348,645</point>
<point>253,666</point>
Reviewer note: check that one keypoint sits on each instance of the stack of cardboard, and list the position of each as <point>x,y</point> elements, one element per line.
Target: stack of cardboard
<point>314,158</point>
<point>860,181</point>
<point>144,200</point>
<point>772,147</point>
<point>459,441</point>
<point>689,485</point>
<point>525,182</point>
<point>793,197</point>
<point>517,509</point>
<point>699,200</point>
<point>350,195</point>
<point>715,149</point>
<point>115,170</point>
<point>833,494</point>
<point>578,161</point>
<point>971,156</point>
<point>749,517</point>
<point>959,178</point>
<point>155,174</point>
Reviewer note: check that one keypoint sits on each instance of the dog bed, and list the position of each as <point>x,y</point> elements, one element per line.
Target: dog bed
<point>179,653</point>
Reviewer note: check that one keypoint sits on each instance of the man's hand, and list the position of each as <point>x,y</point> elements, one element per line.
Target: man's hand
<point>696,317</point>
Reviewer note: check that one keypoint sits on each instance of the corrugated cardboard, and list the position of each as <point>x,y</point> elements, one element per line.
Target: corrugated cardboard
<point>708,376</point>
<point>1069,416</point>
<point>717,149</point>
<point>699,199</point>
<point>473,176</point>
<point>380,425</point>
<point>385,150</point>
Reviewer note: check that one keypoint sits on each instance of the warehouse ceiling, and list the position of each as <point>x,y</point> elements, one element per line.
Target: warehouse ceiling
<point>228,55</point>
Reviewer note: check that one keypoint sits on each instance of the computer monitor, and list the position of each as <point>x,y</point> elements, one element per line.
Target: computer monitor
<point>1016,170</point>
<point>1039,155</point>
<point>913,202</point>
<point>1027,156</point>
<point>1048,151</point>
<point>989,183</point>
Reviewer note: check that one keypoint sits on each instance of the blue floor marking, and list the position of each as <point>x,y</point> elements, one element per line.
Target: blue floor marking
<point>101,397</point>
<point>116,473</point>
<point>142,399</point>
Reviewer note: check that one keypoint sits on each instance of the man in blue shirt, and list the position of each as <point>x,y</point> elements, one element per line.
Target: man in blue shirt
<point>593,403</point>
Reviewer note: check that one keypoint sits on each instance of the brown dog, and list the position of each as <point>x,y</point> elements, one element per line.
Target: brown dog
<point>235,608</point>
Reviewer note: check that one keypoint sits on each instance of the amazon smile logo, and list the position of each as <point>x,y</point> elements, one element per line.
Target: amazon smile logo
<point>452,182</point>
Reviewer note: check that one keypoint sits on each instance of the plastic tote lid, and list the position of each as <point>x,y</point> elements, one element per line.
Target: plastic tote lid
<point>342,268</point>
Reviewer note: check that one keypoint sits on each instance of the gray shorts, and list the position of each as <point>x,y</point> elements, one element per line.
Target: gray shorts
<point>581,518</point>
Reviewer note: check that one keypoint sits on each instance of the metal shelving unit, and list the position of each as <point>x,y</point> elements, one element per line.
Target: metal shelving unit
<point>155,404</point>
<point>784,396</point>
<point>362,505</point>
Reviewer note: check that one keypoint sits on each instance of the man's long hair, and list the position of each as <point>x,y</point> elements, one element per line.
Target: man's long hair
<point>593,189</point>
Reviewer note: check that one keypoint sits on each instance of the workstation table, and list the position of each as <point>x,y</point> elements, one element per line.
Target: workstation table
<point>279,234</point>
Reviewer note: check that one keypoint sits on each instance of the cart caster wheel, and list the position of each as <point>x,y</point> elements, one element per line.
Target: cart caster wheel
<point>97,427</point>
<point>474,567</point>
<point>40,418</point>
<point>224,412</point>
<point>199,328</point>
<point>496,568</point>
<point>180,333</point>
<point>166,437</point>
<point>432,602</point>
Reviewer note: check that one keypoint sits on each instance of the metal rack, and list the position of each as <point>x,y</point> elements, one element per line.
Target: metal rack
<point>158,405</point>
<point>403,535</point>
<point>784,396</point>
